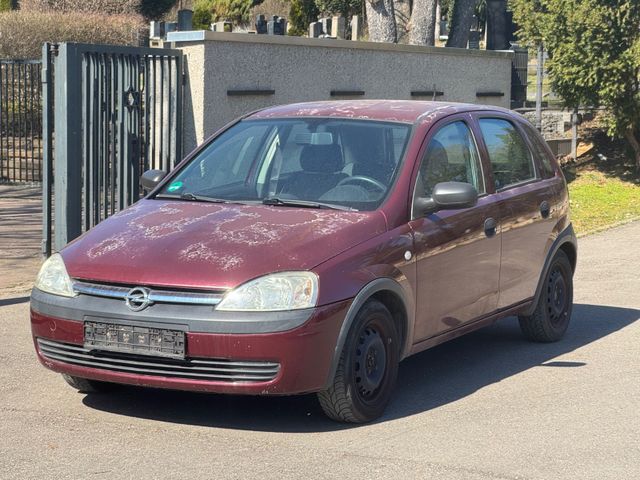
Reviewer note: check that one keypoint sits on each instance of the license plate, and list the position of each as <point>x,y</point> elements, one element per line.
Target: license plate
<point>157,342</point>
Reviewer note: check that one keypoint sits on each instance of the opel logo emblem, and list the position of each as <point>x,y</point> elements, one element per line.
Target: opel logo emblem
<point>138,299</point>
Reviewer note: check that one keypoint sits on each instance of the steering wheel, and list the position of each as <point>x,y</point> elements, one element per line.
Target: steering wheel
<point>362,179</point>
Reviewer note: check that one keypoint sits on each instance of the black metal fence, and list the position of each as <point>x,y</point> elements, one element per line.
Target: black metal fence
<point>110,113</point>
<point>20,121</point>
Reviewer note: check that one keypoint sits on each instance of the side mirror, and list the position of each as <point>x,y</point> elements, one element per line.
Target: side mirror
<point>151,178</point>
<point>447,196</point>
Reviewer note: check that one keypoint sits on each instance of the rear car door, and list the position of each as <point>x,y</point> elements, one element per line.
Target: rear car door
<point>527,194</point>
<point>457,251</point>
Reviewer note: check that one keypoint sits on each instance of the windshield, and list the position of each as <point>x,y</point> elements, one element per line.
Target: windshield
<point>313,162</point>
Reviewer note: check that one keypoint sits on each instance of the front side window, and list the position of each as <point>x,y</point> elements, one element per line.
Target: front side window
<point>511,160</point>
<point>451,156</point>
<point>342,162</point>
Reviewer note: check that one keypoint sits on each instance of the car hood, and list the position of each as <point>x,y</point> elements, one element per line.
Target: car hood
<point>205,245</point>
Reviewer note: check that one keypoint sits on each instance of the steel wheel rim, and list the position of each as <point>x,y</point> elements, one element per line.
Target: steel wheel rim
<point>557,296</point>
<point>370,363</point>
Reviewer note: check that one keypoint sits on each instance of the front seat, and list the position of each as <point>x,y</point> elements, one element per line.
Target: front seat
<point>435,168</point>
<point>321,171</point>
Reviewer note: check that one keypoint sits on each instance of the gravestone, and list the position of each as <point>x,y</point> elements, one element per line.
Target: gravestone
<point>261,25</point>
<point>222,27</point>
<point>355,27</point>
<point>315,29</point>
<point>276,26</point>
<point>338,27</point>
<point>326,26</point>
<point>474,40</point>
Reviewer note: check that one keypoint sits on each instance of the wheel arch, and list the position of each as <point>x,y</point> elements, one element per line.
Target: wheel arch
<point>391,294</point>
<point>566,241</point>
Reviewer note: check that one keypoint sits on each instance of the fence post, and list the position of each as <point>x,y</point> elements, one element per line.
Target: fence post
<point>68,151</point>
<point>539,85</point>
<point>47,147</point>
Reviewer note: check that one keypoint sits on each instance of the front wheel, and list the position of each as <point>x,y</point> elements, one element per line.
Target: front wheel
<point>550,319</point>
<point>367,370</point>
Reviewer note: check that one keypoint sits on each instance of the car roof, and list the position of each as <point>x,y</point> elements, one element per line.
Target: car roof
<point>405,111</point>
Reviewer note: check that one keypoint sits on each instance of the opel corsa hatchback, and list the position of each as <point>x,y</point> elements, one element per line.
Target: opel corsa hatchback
<point>310,248</point>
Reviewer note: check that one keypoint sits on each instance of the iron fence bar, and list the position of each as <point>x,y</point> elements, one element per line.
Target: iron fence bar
<point>170,123</point>
<point>112,134</point>
<point>4,112</point>
<point>179,105</point>
<point>47,150</point>
<point>17,106</point>
<point>84,97</point>
<point>162,136</point>
<point>13,121</point>
<point>152,110</point>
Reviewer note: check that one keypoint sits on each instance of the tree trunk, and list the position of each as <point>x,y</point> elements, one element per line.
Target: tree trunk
<point>461,19</point>
<point>630,135</point>
<point>381,21</point>
<point>423,22</point>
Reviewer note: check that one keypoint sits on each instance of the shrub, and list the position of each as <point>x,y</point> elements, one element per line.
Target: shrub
<point>281,8</point>
<point>206,12</point>
<point>22,33</point>
<point>6,5</point>
<point>302,13</point>
<point>150,9</point>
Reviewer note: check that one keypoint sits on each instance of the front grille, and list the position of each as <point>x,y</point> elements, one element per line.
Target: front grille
<point>156,295</point>
<point>218,370</point>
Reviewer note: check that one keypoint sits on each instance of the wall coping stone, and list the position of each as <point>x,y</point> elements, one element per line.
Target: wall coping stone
<point>199,36</point>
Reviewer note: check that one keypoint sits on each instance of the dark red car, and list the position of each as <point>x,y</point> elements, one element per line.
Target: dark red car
<point>310,248</point>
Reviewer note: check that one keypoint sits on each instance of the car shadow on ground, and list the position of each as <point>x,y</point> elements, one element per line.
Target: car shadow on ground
<point>426,381</point>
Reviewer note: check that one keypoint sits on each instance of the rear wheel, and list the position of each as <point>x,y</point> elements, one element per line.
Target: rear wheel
<point>85,385</point>
<point>550,319</point>
<point>368,368</point>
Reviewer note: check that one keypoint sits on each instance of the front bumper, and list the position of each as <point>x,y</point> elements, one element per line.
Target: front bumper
<point>302,354</point>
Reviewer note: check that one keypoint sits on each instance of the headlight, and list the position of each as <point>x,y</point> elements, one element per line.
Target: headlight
<point>53,277</point>
<point>278,291</point>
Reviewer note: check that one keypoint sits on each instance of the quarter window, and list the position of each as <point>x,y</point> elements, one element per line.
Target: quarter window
<point>510,157</point>
<point>540,151</point>
<point>452,156</point>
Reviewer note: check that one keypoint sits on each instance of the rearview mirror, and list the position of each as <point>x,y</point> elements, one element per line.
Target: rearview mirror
<point>151,178</point>
<point>447,196</point>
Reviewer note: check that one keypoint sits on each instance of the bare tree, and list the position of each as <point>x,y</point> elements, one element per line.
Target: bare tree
<point>381,21</point>
<point>461,20</point>
<point>423,22</point>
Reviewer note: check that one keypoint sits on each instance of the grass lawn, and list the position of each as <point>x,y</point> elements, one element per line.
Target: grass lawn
<point>599,200</point>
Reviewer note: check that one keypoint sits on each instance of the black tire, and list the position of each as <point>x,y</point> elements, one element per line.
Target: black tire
<point>85,385</point>
<point>552,314</point>
<point>357,398</point>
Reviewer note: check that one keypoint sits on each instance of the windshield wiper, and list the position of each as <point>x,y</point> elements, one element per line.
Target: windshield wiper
<point>193,197</point>
<point>286,202</point>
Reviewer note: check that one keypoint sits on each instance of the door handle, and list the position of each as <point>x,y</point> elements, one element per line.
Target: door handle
<point>545,209</point>
<point>490,226</point>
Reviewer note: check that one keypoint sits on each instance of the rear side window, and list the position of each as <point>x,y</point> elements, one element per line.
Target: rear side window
<point>510,157</point>
<point>540,151</point>
<point>451,156</point>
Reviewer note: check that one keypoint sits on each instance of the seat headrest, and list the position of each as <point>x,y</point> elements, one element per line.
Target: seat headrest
<point>436,154</point>
<point>322,158</point>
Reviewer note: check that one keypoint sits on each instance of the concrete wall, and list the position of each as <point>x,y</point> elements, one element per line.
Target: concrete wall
<point>302,69</point>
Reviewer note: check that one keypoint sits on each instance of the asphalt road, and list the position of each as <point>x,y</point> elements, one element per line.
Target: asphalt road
<point>486,406</point>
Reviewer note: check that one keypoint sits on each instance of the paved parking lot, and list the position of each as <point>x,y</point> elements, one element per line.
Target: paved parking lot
<point>486,406</point>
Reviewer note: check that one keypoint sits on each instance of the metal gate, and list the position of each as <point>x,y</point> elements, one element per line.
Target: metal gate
<point>20,121</point>
<point>110,113</point>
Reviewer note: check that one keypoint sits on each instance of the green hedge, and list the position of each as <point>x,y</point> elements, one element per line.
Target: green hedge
<point>6,5</point>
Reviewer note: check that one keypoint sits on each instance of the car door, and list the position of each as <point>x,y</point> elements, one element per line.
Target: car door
<point>457,251</point>
<point>526,197</point>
